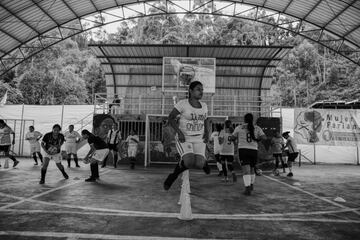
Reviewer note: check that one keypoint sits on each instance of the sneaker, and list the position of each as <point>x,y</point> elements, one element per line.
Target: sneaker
<point>206,168</point>
<point>16,163</point>
<point>225,179</point>
<point>36,164</point>
<point>78,166</point>
<point>290,174</point>
<point>42,181</point>
<point>247,191</point>
<point>234,177</point>
<point>90,179</point>
<point>169,181</point>
<point>252,187</point>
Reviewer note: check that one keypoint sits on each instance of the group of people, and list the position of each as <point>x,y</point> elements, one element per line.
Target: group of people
<point>190,123</point>
<point>189,119</point>
<point>107,140</point>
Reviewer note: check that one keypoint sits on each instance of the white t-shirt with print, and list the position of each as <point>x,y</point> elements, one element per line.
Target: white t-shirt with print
<point>71,137</point>
<point>192,120</point>
<point>33,137</point>
<point>227,147</point>
<point>243,136</point>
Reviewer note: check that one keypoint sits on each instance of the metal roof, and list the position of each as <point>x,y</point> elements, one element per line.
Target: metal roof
<point>355,104</point>
<point>38,24</point>
<point>237,67</point>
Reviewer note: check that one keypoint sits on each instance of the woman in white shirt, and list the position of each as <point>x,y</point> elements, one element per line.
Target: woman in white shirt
<point>191,132</point>
<point>248,135</point>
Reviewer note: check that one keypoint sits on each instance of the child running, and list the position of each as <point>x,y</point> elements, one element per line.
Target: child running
<point>277,145</point>
<point>191,133</point>
<point>227,151</point>
<point>293,151</point>
<point>214,139</point>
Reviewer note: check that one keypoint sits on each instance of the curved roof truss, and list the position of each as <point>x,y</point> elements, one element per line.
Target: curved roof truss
<point>30,26</point>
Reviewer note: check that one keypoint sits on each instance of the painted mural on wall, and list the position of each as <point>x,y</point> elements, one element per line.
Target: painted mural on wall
<point>337,127</point>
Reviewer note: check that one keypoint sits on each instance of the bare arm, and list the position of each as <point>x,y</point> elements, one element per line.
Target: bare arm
<point>43,144</point>
<point>92,149</point>
<point>172,122</point>
<point>206,130</point>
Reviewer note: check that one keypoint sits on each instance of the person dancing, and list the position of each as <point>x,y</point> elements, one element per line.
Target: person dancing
<point>191,133</point>
<point>248,135</point>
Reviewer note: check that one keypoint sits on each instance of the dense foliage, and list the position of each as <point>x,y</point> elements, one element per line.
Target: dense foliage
<point>68,72</point>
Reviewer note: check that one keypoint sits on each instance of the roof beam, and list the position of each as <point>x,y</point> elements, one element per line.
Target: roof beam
<point>20,19</point>
<point>92,3</point>
<point>217,65</point>
<point>57,24</point>
<point>287,6</point>
<point>160,86</point>
<point>10,35</point>
<point>159,74</point>
<point>352,30</point>
<point>71,10</point>
<point>312,9</point>
<point>160,57</point>
<point>341,12</point>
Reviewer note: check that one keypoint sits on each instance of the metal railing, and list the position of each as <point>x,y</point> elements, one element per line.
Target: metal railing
<point>218,105</point>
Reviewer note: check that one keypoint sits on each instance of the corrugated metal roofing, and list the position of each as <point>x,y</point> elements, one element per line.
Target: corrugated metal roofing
<point>238,67</point>
<point>23,21</point>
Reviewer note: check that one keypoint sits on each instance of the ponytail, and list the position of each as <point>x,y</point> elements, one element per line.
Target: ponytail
<point>250,125</point>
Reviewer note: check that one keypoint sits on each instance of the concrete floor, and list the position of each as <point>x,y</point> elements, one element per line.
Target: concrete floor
<point>131,204</point>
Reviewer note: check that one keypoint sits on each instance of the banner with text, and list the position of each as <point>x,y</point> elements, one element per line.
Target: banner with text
<point>338,127</point>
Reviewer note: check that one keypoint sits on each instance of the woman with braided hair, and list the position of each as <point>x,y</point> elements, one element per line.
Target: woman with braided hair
<point>248,135</point>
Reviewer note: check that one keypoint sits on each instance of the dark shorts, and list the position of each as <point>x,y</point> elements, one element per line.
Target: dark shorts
<point>248,157</point>
<point>228,158</point>
<point>113,147</point>
<point>5,148</point>
<point>277,154</point>
<point>292,156</point>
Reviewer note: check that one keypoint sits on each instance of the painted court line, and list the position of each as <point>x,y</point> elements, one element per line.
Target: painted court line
<point>255,217</point>
<point>42,194</point>
<point>312,194</point>
<point>88,236</point>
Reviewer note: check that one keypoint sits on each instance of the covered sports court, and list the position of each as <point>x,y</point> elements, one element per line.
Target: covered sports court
<point>320,202</point>
<point>127,204</point>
